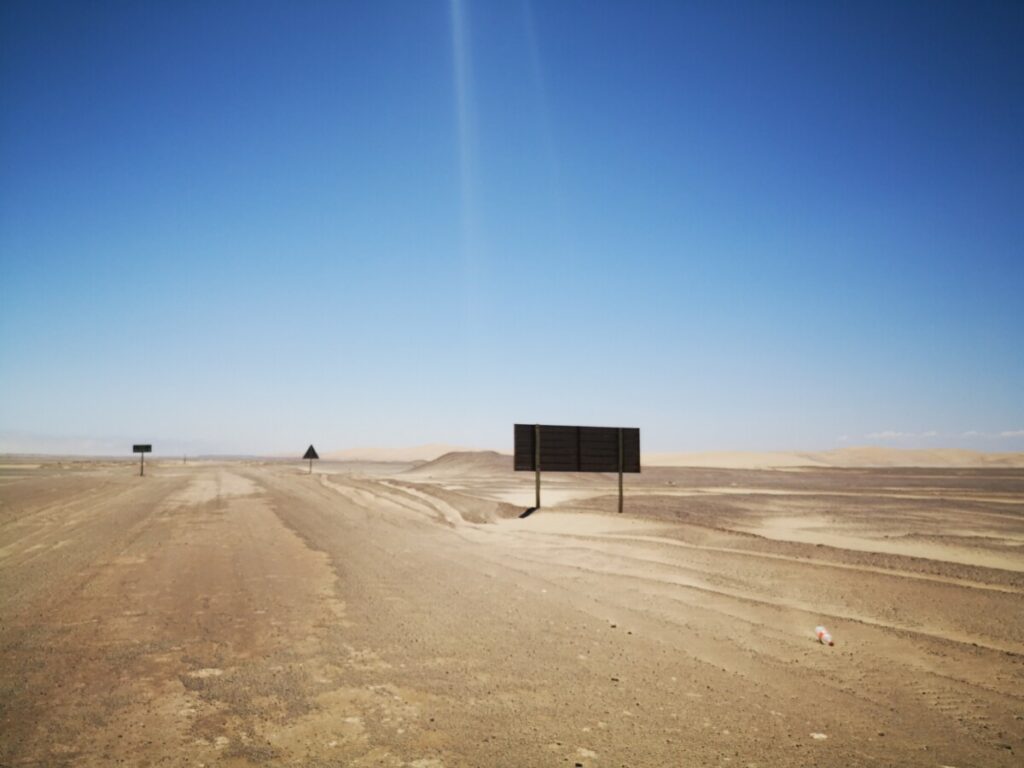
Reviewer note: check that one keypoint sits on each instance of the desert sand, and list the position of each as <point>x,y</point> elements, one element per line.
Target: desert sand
<point>861,456</point>
<point>402,614</point>
<point>427,452</point>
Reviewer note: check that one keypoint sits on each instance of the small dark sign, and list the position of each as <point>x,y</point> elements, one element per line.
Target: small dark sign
<point>576,449</point>
<point>311,454</point>
<point>142,450</point>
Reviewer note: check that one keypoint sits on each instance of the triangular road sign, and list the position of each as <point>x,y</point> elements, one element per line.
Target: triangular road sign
<point>311,453</point>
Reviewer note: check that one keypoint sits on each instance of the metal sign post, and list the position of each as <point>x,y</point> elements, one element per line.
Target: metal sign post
<point>536,460</point>
<point>620,470</point>
<point>311,454</point>
<point>142,450</point>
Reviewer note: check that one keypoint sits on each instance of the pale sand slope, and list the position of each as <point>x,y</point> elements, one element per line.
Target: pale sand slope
<point>427,452</point>
<point>464,464</point>
<point>473,463</point>
<point>468,463</point>
<point>733,459</point>
<point>866,456</point>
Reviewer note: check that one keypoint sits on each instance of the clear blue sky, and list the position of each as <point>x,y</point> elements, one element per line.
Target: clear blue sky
<point>251,226</point>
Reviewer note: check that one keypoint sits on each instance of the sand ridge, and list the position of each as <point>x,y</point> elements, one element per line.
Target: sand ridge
<point>867,456</point>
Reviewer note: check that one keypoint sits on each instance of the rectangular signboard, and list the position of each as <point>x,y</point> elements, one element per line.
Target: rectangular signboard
<point>142,448</point>
<point>576,449</point>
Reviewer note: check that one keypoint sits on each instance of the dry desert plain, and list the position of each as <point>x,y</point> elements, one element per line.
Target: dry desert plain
<point>247,613</point>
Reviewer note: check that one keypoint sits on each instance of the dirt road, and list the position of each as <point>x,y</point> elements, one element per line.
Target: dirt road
<point>246,614</point>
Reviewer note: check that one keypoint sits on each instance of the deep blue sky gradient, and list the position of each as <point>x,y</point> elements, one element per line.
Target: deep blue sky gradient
<point>248,226</point>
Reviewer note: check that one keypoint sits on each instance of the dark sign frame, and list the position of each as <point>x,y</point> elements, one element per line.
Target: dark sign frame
<point>142,449</point>
<point>310,455</point>
<point>576,449</point>
<point>549,448</point>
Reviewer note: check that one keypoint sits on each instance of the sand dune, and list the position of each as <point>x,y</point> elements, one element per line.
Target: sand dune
<point>870,456</point>
<point>463,463</point>
<point>427,452</point>
<point>733,459</point>
<point>474,463</point>
<point>864,456</point>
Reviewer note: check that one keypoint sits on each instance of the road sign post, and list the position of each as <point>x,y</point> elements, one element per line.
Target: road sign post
<point>311,454</point>
<point>142,450</point>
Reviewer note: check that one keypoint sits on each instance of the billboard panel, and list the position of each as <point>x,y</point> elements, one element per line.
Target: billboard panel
<point>576,449</point>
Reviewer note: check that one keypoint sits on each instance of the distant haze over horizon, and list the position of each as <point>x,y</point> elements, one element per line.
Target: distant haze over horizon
<point>14,444</point>
<point>241,228</point>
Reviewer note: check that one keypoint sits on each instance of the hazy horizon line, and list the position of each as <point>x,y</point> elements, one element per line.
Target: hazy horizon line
<point>330,454</point>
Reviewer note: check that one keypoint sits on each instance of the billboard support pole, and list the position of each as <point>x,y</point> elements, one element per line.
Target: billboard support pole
<point>536,460</point>
<point>620,470</point>
<point>142,464</point>
<point>552,448</point>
